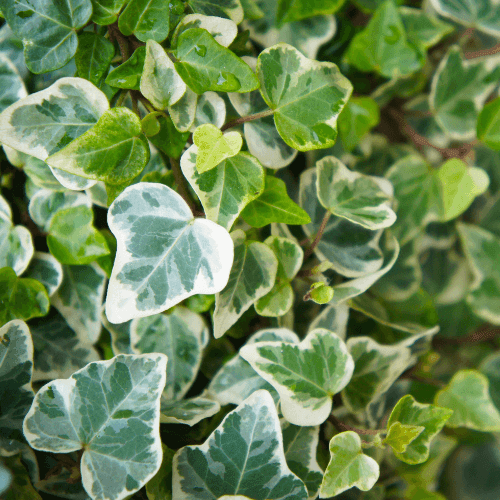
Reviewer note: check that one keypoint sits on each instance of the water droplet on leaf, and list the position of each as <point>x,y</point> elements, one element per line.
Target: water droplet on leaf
<point>201,50</point>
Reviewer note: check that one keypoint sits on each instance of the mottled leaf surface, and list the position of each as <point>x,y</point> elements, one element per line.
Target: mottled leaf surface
<point>11,84</point>
<point>187,411</point>
<point>47,270</point>
<point>223,30</point>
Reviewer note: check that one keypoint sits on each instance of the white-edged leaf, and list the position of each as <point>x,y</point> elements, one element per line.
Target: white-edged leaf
<point>187,411</point>
<point>333,318</point>
<point>223,30</point>
<point>183,112</point>
<point>47,270</point>
<point>71,181</point>
<point>211,108</point>
<point>120,335</point>
<point>231,9</point>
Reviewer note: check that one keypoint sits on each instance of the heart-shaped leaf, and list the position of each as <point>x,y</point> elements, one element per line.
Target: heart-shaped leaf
<point>146,19</point>
<point>47,270</point>
<point>214,146</point>
<point>93,56</point>
<point>306,375</point>
<point>223,30</point>
<point>112,410</point>
<point>247,448</point>
<point>348,466</point>
<point>128,74</point>
<point>399,436</point>
<point>163,255</point>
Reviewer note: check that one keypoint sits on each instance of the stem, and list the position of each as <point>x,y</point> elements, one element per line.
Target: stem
<point>424,380</point>
<point>122,41</point>
<point>483,334</point>
<point>146,103</point>
<point>181,183</point>
<point>248,118</point>
<point>483,53</point>
<point>319,234</point>
<point>342,427</point>
<point>121,97</point>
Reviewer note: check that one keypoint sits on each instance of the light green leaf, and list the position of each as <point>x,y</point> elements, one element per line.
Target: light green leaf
<point>348,466</point>
<point>248,440</point>
<point>274,205</point>
<point>320,292</point>
<point>213,146</point>
<point>252,276</point>
<point>47,29</point>
<point>114,150</point>
<point>230,9</point>
<point>183,112</point>
<point>111,409</point>
<point>11,84</point>
<point>188,411</point>
<point>16,394</point>
<point>306,375</point>
<point>305,96</point>
<point>421,423</point>
<point>459,90</point>
<point>21,298</point>
<point>490,368</point>
<point>93,56</point>
<point>106,12</point>
<point>223,30</point>
<point>47,270</point>
<point>482,249</point>
<point>146,19</point>
<point>295,10</point>
<point>160,82</point>
<point>399,435</point>
<point>43,123</point>
<point>362,199</point>
<point>37,170</point>
<point>468,396</point>
<point>200,59</point>
<point>211,108</point>
<point>383,46</point>
<point>226,189</point>
<point>488,124</point>
<point>164,255</point>
<point>128,74</point>
<point>79,300</point>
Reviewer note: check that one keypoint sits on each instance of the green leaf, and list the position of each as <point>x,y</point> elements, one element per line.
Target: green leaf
<point>21,487</point>
<point>468,396</point>
<point>481,249</point>
<point>128,74</point>
<point>146,19</point>
<point>248,448</point>
<point>333,318</point>
<point>274,205</point>
<point>106,12</point>
<point>16,394</point>
<point>21,298</point>
<point>306,96</point>
<point>320,292</point>
<point>200,59</point>
<point>210,108</point>
<point>43,123</point>
<point>188,411</point>
<point>164,255</point>
<point>230,9</point>
<point>213,147</point>
<point>489,367</point>
<point>306,375</point>
<point>459,90</point>
<point>160,487</point>
<point>348,466</point>
<point>47,270</point>
<point>420,423</point>
<point>160,82</point>
<point>362,199</point>
<point>252,276</point>
<point>93,56</point>
<point>168,139</point>
<point>183,112</point>
<point>383,46</point>
<point>119,400</point>
<point>47,29</point>
<point>73,239</point>
<point>296,10</point>
<point>226,189</point>
<point>488,124</point>
<point>11,84</point>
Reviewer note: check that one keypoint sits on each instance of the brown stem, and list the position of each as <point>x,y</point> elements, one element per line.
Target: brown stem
<point>181,184</point>
<point>249,118</point>
<point>319,234</point>
<point>484,333</point>
<point>115,33</point>
<point>146,102</point>
<point>342,427</point>
<point>483,53</point>
<point>424,380</point>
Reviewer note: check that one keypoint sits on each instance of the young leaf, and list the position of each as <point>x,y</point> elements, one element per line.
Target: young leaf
<point>305,96</point>
<point>252,276</point>
<point>295,10</point>
<point>106,12</point>
<point>399,436</point>
<point>249,447</point>
<point>146,19</point>
<point>93,56</point>
<point>12,86</point>
<point>164,255</point>
<point>226,189</point>
<point>47,29</point>
<point>230,9</point>
<point>348,466</point>
<point>306,375</point>
<point>488,125</point>
<point>47,270</point>
<point>187,411</point>
<point>128,74</point>
<point>120,402</point>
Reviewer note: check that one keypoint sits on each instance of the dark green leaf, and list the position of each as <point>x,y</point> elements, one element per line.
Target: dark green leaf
<point>93,56</point>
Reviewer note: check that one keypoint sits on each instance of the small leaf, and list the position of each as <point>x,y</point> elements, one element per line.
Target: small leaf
<point>348,466</point>
<point>211,108</point>
<point>295,10</point>
<point>183,112</point>
<point>93,56</point>
<point>168,139</point>
<point>128,74</point>
<point>146,19</point>
<point>488,125</point>
<point>47,270</point>
<point>399,436</point>
<point>187,411</point>
<point>230,9</point>
<point>106,12</point>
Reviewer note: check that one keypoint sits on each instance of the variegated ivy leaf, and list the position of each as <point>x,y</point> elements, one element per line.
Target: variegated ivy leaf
<point>120,335</point>
<point>481,249</point>
<point>353,250</point>
<point>164,255</point>
<point>399,436</point>
<point>333,318</point>
<point>187,411</point>
<point>223,30</point>
<point>213,147</point>
<point>16,394</point>
<point>11,84</point>
<point>305,96</point>
<point>111,409</point>
<point>146,19</point>
<point>362,199</point>
<point>252,276</point>
<point>183,112</point>
<point>306,375</point>
<point>236,380</point>
<point>71,181</point>
<point>43,123</point>
<point>211,108</point>
<point>348,466</point>
<point>181,336</point>
<point>426,421</point>
<point>244,456</point>
<point>160,82</point>
<point>482,15</point>
<point>47,29</point>
<point>302,9</point>
<point>79,300</point>
<point>459,90</point>
<point>106,11</point>
<point>230,9</point>
<point>468,396</point>
<point>47,270</point>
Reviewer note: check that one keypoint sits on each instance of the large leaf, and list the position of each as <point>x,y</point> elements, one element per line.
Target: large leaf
<point>111,409</point>
<point>164,255</point>
<point>225,190</point>
<point>11,84</point>
<point>305,96</point>
<point>43,123</point>
<point>244,456</point>
<point>306,375</point>
<point>146,19</point>
<point>93,56</point>
<point>252,276</point>
<point>230,9</point>
<point>348,466</point>
<point>47,29</point>
<point>295,10</point>
<point>47,270</point>
<point>16,394</point>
